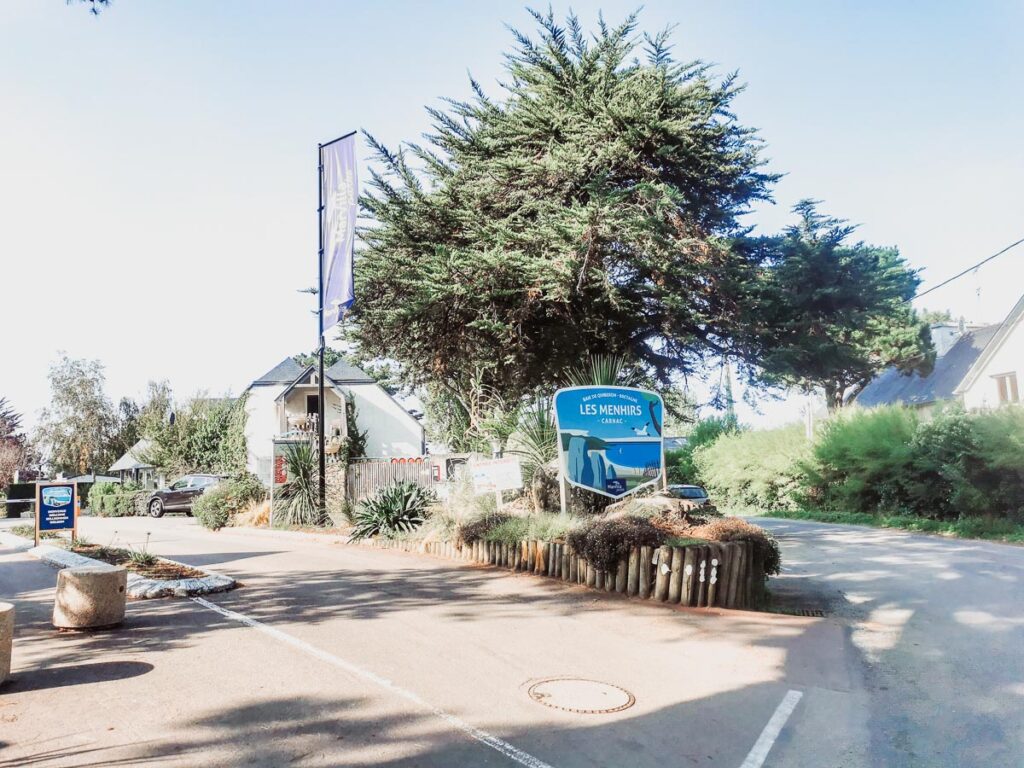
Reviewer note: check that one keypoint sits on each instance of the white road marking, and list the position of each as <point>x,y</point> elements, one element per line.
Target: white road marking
<point>771,732</point>
<point>511,752</point>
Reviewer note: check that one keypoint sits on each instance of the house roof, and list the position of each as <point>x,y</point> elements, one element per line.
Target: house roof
<point>344,373</point>
<point>131,458</point>
<point>943,383</point>
<point>284,372</point>
<point>1003,331</point>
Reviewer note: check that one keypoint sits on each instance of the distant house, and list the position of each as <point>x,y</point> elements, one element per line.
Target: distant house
<point>285,402</point>
<point>979,367</point>
<point>130,468</point>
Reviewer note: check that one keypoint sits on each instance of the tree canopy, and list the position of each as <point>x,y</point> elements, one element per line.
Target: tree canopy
<point>589,211</point>
<point>830,313</point>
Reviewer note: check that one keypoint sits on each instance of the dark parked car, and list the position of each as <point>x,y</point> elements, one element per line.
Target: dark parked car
<point>693,493</point>
<point>178,497</point>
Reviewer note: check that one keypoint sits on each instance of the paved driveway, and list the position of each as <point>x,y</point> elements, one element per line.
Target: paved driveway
<point>339,655</point>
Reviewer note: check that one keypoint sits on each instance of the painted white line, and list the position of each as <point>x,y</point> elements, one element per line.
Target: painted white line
<point>511,752</point>
<point>771,732</point>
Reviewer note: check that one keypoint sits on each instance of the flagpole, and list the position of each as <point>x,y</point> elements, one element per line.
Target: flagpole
<point>320,334</point>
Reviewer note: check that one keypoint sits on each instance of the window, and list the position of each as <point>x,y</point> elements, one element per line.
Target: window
<point>1006,385</point>
<point>312,404</point>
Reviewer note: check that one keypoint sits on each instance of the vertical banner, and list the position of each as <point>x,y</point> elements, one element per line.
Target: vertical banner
<point>340,200</point>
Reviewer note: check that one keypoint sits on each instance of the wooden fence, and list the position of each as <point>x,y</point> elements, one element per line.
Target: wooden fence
<point>723,575</point>
<point>366,476</point>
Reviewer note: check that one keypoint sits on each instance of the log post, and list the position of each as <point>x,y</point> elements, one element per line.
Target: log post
<point>574,565</point>
<point>688,594</point>
<point>714,573</point>
<point>633,572</point>
<point>591,575</point>
<point>661,576</point>
<point>644,590</point>
<point>566,554</point>
<point>675,581</point>
<point>621,574</point>
<point>703,575</point>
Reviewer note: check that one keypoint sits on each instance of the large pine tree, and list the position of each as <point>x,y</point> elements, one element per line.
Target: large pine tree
<point>830,313</point>
<point>587,211</point>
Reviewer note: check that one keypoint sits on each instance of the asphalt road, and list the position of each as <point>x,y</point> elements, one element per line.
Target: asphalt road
<point>341,655</point>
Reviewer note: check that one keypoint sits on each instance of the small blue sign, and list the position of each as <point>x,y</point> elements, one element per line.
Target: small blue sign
<point>610,438</point>
<point>57,507</point>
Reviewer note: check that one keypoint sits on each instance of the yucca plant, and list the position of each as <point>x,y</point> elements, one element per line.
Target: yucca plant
<point>297,502</point>
<point>603,370</point>
<point>398,508</point>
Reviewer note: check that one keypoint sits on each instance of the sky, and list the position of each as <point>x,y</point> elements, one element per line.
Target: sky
<point>158,162</point>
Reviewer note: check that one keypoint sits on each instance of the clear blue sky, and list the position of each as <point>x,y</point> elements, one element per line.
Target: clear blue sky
<point>157,163</point>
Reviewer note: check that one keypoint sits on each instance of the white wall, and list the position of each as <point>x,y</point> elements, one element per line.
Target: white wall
<point>390,430</point>
<point>261,426</point>
<point>984,392</point>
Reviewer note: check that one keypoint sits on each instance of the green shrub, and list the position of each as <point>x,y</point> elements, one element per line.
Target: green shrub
<point>540,527</point>
<point>215,508</point>
<point>755,469</point>
<point>119,503</point>
<point>680,464</point>
<point>605,543</point>
<point>862,460</point>
<point>396,509</point>
<point>994,474</point>
<point>478,528</point>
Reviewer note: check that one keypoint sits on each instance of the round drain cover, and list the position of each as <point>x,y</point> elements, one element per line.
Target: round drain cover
<point>585,697</point>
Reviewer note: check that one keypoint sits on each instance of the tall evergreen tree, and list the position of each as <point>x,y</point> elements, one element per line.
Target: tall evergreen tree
<point>830,314</point>
<point>588,211</point>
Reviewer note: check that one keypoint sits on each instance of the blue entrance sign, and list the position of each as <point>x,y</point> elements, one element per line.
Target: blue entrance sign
<point>56,506</point>
<point>610,438</point>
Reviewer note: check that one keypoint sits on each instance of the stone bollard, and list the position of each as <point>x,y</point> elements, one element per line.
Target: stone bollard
<point>90,597</point>
<point>6,639</point>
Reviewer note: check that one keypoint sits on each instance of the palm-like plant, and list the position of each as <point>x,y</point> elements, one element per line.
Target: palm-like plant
<point>535,438</point>
<point>297,502</point>
<point>603,370</point>
<point>398,508</point>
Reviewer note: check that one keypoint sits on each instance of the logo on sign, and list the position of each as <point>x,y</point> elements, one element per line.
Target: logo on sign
<point>616,487</point>
<point>59,496</point>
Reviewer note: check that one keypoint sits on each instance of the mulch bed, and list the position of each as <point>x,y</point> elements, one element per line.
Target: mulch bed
<point>161,569</point>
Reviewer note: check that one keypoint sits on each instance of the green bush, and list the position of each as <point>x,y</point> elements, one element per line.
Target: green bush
<point>216,506</point>
<point>862,460</point>
<point>118,501</point>
<point>477,529</point>
<point>396,509</point>
<point>213,509</point>
<point>605,543</point>
<point>538,527</point>
<point>755,469</point>
<point>680,466</point>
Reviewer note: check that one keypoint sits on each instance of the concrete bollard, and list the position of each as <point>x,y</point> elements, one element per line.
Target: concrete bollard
<point>6,639</point>
<point>90,597</point>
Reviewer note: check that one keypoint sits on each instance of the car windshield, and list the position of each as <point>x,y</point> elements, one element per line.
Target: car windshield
<point>689,493</point>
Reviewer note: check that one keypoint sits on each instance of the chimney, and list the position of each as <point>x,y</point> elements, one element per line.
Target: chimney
<point>944,336</point>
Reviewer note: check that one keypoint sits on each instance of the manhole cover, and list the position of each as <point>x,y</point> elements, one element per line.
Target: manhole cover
<point>585,697</point>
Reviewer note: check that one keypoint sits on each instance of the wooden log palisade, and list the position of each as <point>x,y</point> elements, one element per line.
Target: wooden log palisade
<point>708,575</point>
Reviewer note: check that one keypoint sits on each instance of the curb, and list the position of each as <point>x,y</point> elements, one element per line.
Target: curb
<point>139,587</point>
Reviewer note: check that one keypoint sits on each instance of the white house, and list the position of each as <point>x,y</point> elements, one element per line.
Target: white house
<point>979,367</point>
<point>285,401</point>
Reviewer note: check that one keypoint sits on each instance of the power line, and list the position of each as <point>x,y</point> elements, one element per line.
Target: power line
<point>968,270</point>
